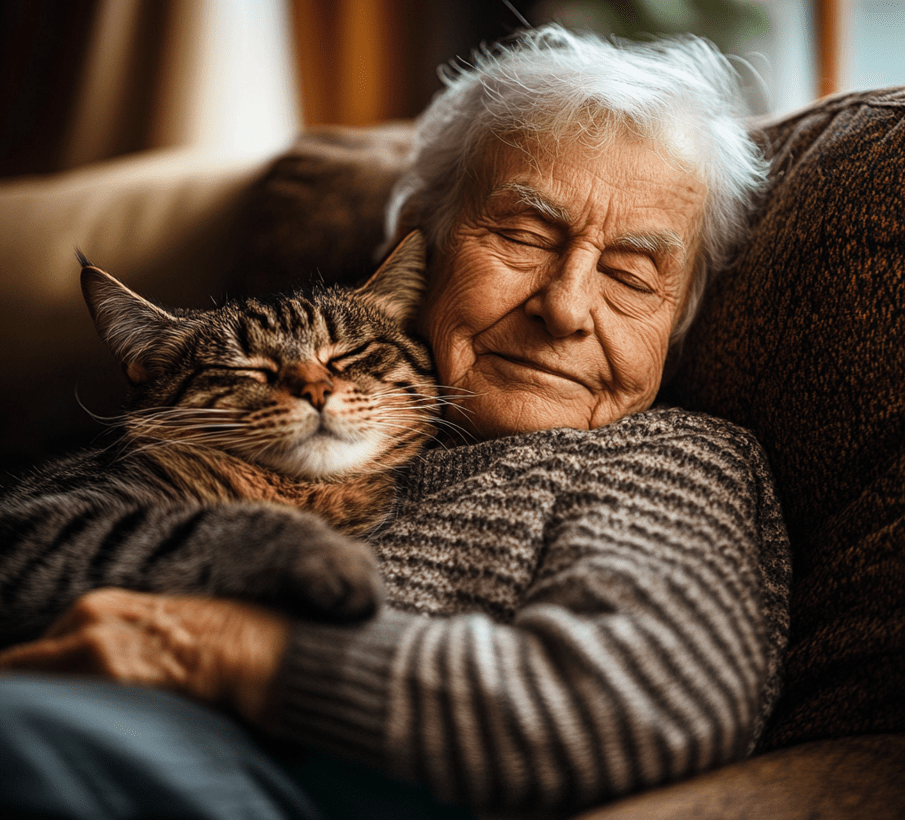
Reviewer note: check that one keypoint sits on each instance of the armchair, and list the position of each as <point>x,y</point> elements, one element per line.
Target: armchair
<point>801,339</point>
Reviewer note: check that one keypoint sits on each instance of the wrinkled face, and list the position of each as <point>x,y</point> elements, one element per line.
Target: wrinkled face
<point>556,304</point>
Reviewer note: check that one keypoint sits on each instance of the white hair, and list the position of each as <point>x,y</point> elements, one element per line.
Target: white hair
<point>680,93</point>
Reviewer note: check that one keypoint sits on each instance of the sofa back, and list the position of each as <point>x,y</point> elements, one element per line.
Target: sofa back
<point>802,340</point>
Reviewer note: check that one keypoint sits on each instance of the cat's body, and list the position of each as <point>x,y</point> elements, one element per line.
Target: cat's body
<point>247,427</point>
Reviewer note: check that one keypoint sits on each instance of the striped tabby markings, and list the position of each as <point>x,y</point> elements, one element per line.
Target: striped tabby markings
<point>312,401</point>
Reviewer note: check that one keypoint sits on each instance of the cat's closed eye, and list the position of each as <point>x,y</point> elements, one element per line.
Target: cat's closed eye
<point>339,362</point>
<point>265,375</point>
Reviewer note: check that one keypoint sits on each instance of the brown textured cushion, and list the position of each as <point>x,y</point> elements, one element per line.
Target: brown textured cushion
<point>318,211</point>
<point>853,778</point>
<point>802,341</point>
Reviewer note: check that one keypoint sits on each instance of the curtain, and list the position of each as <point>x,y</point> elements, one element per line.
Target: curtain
<point>368,61</point>
<point>88,80</point>
<point>349,56</point>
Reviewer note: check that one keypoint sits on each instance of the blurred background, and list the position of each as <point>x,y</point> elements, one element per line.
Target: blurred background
<point>87,80</point>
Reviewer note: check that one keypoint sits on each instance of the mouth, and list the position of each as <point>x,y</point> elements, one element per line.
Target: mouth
<point>328,431</point>
<point>518,363</point>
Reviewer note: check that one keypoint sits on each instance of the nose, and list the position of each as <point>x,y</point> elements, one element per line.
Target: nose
<point>563,302</point>
<point>310,381</point>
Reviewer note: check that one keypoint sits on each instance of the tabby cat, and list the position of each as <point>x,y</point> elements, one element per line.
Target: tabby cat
<point>246,427</point>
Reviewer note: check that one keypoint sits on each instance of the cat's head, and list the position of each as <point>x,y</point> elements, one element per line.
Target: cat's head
<point>313,386</point>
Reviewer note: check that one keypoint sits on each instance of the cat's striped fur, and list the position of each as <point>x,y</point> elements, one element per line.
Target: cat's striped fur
<point>246,425</point>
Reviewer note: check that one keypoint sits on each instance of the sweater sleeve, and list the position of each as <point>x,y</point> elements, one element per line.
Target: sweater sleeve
<point>646,649</point>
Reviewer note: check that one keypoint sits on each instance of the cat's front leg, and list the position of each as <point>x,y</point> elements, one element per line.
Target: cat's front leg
<point>54,548</point>
<point>274,555</point>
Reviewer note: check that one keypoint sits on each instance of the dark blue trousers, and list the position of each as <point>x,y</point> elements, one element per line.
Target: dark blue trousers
<point>88,749</point>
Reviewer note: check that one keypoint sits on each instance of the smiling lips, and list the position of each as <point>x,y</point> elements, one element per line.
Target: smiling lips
<point>531,365</point>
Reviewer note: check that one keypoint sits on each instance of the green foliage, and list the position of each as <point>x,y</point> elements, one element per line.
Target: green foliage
<point>725,22</point>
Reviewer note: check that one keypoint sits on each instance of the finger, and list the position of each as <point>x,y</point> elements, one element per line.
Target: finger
<point>114,651</point>
<point>65,654</point>
<point>103,605</point>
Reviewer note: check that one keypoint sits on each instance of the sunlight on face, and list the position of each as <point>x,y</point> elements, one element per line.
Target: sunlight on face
<point>556,304</point>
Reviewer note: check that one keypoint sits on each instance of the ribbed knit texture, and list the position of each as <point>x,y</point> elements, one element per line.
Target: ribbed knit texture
<point>613,616</point>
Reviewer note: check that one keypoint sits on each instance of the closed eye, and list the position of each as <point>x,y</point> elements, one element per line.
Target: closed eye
<point>628,280</point>
<point>265,375</point>
<point>524,238</point>
<point>343,360</point>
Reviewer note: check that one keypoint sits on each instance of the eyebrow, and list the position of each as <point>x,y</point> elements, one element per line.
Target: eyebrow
<point>536,200</point>
<point>654,243</point>
<point>657,243</point>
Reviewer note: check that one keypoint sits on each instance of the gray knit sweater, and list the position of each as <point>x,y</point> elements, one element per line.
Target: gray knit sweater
<point>572,616</point>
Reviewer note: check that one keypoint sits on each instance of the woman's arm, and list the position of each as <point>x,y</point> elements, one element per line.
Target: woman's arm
<point>647,648</point>
<point>218,651</point>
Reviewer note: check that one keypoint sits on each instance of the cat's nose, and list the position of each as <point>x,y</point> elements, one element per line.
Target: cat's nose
<point>310,381</point>
<point>317,393</point>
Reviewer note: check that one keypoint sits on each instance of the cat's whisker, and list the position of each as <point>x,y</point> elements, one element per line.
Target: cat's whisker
<point>406,414</point>
<point>465,411</point>
<point>186,408</point>
<point>444,425</point>
<point>417,400</point>
<point>451,392</point>
<point>408,389</point>
<point>403,428</point>
<point>420,410</point>
<point>207,427</point>
<point>412,389</point>
<point>403,400</point>
<point>149,411</point>
<point>464,435</point>
<point>164,430</point>
<point>107,420</point>
<point>177,412</point>
<point>188,424</point>
<point>412,418</point>
<point>410,397</point>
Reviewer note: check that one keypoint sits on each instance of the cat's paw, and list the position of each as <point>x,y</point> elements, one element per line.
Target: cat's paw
<point>340,583</point>
<point>294,561</point>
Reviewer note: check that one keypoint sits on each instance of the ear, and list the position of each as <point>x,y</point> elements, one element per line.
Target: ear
<point>398,286</point>
<point>131,326</point>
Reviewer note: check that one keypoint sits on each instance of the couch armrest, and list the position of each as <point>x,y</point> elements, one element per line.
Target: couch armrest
<point>164,222</point>
<point>841,779</point>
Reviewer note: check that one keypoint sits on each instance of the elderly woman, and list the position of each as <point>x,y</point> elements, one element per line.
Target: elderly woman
<point>590,599</point>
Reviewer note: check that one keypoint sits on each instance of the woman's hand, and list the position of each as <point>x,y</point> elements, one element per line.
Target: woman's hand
<point>220,651</point>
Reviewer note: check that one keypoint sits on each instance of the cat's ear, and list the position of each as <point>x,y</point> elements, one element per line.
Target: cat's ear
<point>130,325</point>
<point>398,286</point>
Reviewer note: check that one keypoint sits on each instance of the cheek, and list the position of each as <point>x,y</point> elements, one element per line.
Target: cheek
<point>476,287</point>
<point>637,351</point>
<point>445,325</point>
<point>467,296</point>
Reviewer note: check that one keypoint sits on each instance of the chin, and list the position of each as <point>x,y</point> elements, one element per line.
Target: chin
<point>319,458</point>
<point>513,420</point>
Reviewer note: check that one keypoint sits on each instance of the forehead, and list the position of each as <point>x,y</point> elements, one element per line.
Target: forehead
<point>626,183</point>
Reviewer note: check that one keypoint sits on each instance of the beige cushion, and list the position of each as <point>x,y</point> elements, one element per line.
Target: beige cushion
<point>164,222</point>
